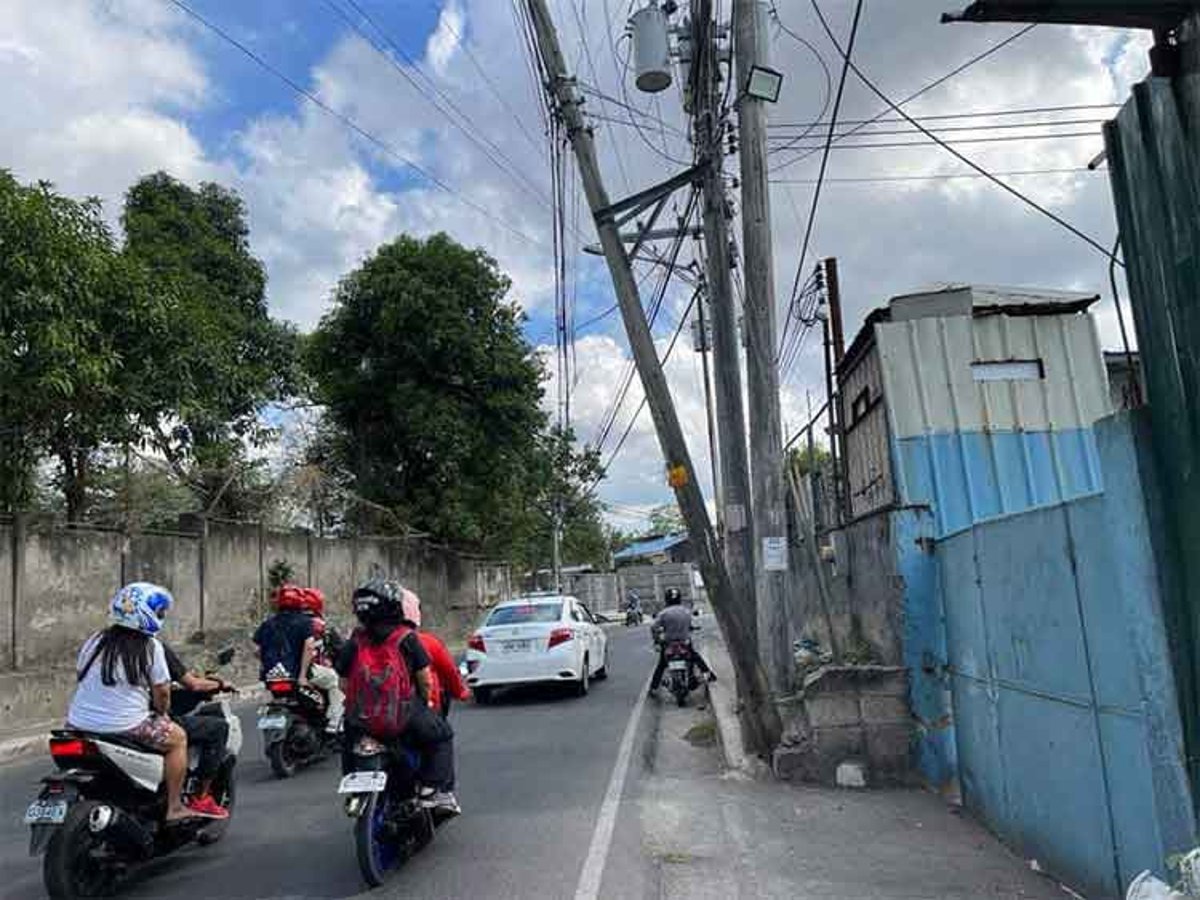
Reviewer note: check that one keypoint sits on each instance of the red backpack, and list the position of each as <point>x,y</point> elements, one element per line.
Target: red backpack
<point>379,689</point>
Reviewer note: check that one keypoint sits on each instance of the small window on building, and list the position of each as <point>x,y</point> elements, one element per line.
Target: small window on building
<point>861,405</point>
<point>1009,370</point>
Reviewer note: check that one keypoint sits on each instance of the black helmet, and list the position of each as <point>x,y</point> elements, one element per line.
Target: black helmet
<point>377,599</point>
<point>672,597</point>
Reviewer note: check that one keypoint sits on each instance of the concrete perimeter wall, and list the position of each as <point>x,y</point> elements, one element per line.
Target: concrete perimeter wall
<point>55,584</point>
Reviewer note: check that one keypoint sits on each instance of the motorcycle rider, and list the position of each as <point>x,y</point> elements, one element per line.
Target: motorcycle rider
<point>633,604</point>
<point>674,625</point>
<point>291,645</point>
<point>377,605</point>
<point>209,734</point>
<point>447,683</point>
<point>124,688</point>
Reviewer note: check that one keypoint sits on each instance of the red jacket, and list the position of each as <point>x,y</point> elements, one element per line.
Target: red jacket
<point>445,673</point>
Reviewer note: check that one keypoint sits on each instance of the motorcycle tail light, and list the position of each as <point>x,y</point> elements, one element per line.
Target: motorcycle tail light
<point>71,748</point>
<point>279,688</point>
<point>368,746</point>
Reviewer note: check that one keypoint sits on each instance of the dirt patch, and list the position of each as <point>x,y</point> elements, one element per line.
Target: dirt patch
<point>702,734</point>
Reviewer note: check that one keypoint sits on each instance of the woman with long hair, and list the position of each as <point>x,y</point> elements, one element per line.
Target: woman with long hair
<point>124,688</point>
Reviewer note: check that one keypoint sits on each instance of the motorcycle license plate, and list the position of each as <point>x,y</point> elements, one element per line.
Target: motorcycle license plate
<point>677,665</point>
<point>46,812</point>
<point>363,783</point>
<point>271,723</point>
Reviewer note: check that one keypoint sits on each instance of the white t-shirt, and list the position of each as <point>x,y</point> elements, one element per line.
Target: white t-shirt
<point>110,709</point>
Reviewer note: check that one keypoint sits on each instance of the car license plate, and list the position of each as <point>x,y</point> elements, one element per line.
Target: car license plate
<point>272,723</point>
<point>363,783</point>
<point>517,646</point>
<point>46,812</point>
<point>677,664</point>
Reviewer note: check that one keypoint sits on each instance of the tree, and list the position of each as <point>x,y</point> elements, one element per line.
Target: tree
<point>77,325</point>
<point>805,461</point>
<point>224,358</point>
<point>424,371</point>
<point>666,519</point>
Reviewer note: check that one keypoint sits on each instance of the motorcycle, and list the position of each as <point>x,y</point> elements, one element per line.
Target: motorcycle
<point>381,796</point>
<point>102,811</point>
<point>293,726</point>
<point>681,674</point>
<point>633,616</point>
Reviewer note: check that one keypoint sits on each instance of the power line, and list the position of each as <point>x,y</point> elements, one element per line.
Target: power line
<point>937,82</point>
<point>580,19</point>
<point>883,119</point>
<point>944,129</point>
<point>846,54</point>
<point>488,147</point>
<point>828,98</point>
<point>816,200</point>
<point>641,406</point>
<point>354,126</point>
<point>949,176</point>
<point>946,144</point>
<point>488,80</point>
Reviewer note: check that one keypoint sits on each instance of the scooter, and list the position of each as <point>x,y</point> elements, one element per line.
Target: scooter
<point>293,725</point>
<point>681,674</point>
<point>633,616</point>
<point>381,796</point>
<point>102,812</point>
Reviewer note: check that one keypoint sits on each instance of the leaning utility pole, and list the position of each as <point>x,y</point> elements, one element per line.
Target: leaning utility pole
<point>731,415</point>
<point>762,373</point>
<point>760,719</point>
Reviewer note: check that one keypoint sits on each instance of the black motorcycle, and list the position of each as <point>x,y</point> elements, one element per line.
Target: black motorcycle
<point>381,796</point>
<point>633,616</point>
<point>681,673</point>
<point>102,812</point>
<point>293,725</point>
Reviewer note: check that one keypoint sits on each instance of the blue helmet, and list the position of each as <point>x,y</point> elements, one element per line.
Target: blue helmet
<point>140,606</point>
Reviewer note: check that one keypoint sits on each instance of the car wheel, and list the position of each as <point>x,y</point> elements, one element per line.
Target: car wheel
<point>585,680</point>
<point>602,672</point>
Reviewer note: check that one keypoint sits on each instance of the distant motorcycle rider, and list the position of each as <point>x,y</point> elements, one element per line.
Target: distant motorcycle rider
<point>291,644</point>
<point>674,625</point>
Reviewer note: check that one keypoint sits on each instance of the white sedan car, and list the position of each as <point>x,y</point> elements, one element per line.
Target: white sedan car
<point>540,638</point>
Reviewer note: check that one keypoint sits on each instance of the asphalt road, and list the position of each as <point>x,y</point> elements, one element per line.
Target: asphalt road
<point>533,770</point>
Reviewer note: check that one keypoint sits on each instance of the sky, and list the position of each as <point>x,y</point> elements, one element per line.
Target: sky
<point>424,116</point>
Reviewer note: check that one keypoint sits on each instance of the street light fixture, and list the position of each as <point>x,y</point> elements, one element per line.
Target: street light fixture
<point>764,84</point>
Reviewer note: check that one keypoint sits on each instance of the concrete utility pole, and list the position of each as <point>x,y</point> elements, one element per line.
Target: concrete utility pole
<point>727,371</point>
<point>772,579</point>
<point>703,346</point>
<point>760,719</point>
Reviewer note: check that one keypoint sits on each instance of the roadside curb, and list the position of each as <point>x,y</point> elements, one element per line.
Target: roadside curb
<point>722,699</point>
<point>14,749</point>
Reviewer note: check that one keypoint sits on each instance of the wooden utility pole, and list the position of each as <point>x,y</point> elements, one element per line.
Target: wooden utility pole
<point>760,719</point>
<point>727,367</point>
<point>772,578</point>
<point>704,345</point>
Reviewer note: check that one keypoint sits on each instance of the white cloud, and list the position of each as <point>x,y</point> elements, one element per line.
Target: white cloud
<point>444,42</point>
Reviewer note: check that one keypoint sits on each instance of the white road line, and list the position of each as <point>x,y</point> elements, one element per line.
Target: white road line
<point>593,866</point>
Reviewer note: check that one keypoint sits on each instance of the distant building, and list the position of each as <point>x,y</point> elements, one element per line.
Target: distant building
<point>655,550</point>
<point>974,401</point>
<point>1125,383</point>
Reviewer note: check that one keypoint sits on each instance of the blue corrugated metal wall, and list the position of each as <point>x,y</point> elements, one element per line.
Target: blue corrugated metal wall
<point>1065,719</point>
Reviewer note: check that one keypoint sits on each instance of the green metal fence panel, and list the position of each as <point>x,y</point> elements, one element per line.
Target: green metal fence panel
<point>1154,160</point>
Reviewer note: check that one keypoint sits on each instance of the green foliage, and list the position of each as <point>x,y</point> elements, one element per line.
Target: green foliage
<point>666,519</point>
<point>279,574</point>
<point>78,326</point>
<point>224,357</point>
<point>805,462</point>
<point>424,370</point>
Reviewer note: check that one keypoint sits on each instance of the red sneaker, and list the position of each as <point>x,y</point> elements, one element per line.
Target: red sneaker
<point>207,807</point>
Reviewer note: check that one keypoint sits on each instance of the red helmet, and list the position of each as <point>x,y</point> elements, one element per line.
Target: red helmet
<point>312,602</point>
<point>290,598</point>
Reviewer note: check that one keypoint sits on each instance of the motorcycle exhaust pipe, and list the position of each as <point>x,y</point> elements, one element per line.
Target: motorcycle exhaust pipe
<point>126,835</point>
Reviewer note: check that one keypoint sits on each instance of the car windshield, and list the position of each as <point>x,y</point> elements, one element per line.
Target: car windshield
<point>523,615</point>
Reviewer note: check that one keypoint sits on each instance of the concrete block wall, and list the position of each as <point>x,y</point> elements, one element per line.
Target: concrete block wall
<point>54,584</point>
<point>848,714</point>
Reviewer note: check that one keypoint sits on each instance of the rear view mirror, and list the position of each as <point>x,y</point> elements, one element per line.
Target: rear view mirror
<point>225,657</point>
